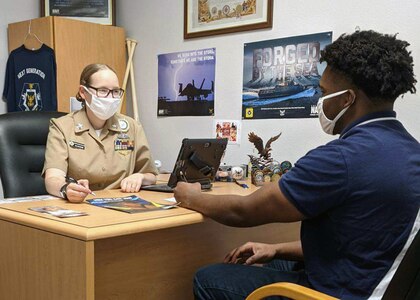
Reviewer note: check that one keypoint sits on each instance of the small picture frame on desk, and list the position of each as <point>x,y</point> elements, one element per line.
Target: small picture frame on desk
<point>212,17</point>
<point>95,11</point>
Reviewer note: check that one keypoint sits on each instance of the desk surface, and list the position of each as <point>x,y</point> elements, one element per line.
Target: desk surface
<point>104,223</point>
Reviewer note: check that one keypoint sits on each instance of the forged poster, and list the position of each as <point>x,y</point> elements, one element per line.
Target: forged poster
<point>186,83</point>
<point>281,77</point>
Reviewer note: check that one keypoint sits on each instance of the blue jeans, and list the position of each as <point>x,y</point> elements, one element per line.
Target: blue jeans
<point>233,281</point>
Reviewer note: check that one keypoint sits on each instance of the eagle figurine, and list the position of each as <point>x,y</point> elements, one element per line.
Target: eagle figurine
<point>264,152</point>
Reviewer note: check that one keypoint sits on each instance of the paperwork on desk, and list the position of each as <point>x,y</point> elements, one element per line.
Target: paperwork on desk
<point>130,204</point>
<point>57,211</point>
<point>27,199</point>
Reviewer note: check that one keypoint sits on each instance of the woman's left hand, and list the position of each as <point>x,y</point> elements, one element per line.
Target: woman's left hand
<point>132,183</point>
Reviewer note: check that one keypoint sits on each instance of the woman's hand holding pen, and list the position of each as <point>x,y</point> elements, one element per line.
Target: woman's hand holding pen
<point>77,191</point>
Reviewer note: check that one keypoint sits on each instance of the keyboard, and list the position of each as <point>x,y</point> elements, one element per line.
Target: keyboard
<point>162,187</point>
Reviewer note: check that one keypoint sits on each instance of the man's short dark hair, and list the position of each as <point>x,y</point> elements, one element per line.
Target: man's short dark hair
<point>379,64</point>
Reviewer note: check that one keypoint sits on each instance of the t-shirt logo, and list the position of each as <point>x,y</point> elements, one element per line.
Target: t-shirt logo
<point>30,99</point>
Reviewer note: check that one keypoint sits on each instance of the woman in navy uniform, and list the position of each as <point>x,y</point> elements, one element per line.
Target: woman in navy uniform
<point>100,147</point>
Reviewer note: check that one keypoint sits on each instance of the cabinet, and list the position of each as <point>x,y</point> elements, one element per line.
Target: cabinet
<point>76,44</point>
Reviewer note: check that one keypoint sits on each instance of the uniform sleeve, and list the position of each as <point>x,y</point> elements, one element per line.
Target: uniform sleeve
<point>144,161</point>
<point>56,152</point>
<point>317,182</point>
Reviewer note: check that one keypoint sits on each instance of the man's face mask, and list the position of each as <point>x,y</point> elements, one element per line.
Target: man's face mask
<point>327,124</point>
<point>103,108</point>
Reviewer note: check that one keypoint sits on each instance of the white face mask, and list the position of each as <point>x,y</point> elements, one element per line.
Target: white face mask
<point>327,124</point>
<point>103,108</point>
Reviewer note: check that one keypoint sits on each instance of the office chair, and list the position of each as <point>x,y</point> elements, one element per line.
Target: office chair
<point>23,136</point>
<point>404,285</point>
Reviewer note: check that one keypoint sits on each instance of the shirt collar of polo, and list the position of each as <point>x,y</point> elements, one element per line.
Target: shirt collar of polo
<point>371,116</point>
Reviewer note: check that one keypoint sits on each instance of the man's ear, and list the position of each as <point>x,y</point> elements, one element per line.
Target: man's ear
<point>350,97</point>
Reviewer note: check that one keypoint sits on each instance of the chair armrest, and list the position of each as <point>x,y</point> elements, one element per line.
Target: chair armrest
<point>290,290</point>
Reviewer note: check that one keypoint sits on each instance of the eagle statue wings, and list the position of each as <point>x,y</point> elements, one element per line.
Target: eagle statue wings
<point>264,152</point>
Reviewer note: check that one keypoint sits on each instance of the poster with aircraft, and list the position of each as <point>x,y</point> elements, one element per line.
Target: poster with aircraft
<point>281,77</point>
<point>186,83</point>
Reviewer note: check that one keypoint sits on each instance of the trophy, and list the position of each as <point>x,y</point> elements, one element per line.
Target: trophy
<point>264,168</point>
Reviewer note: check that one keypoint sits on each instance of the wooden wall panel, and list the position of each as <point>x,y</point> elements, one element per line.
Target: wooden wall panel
<point>42,27</point>
<point>76,44</point>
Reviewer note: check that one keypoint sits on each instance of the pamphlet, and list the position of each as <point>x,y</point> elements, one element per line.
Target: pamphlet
<point>59,211</point>
<point>27,199</point>
<point>130,204</point>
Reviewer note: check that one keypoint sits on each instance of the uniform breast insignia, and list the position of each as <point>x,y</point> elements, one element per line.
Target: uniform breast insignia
<point>124,126</point>
<point>77,145</point>
<point>123,144</point>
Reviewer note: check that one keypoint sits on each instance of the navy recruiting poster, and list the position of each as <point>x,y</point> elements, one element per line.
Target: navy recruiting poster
<point>281,77</point>
<point>186,83</point>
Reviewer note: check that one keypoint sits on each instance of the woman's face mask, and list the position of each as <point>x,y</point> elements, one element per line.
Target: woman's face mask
<point>327,124</point>
<point>103,108</point>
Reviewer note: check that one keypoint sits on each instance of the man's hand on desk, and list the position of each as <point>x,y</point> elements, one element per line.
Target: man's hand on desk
<point>185,193</point>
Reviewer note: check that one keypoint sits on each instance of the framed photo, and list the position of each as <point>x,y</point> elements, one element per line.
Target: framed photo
<point>96,11</point>
<point>211,17</point>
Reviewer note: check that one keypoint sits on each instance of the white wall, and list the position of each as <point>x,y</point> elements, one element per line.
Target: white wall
<point>11,12</point>
<point>158,27</point>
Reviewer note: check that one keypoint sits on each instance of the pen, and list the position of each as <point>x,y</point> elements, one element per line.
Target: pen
<point>183,176</point>
<point>72,180</point>
<point>244,185</point>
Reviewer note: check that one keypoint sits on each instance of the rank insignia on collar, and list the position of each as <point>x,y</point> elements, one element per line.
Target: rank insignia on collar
<point>124,126</point>
<point>79,126</point>
<point>77,145</point>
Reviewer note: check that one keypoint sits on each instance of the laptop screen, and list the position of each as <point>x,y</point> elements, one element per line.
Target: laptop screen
<point>198,161</point>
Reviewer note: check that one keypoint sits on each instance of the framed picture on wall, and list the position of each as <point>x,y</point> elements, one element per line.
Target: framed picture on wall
<point>96,11</point>
<point>211,17</point>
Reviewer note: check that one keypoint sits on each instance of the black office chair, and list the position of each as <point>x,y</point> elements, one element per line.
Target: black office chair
<point>404,285</point>
<point>23,136</point>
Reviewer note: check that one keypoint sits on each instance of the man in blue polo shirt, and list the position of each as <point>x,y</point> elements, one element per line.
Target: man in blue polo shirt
<point>358,197</point>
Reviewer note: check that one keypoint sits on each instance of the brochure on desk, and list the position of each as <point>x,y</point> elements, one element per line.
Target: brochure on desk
<point>130,204</point>
<point>59,212</point>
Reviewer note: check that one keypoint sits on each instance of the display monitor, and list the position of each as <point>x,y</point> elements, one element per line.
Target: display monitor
<point>198,161</point>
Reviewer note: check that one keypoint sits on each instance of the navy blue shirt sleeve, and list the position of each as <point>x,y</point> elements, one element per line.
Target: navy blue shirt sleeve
<point>317,182</point>
<point>9,85</point>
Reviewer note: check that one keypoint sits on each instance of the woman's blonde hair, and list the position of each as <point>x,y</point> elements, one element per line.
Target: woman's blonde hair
<point>87,73</point>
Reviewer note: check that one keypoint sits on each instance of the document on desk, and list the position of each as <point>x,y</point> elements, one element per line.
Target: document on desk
<point>59,212</point>
<point>130,204</point>
<point>27,199</point>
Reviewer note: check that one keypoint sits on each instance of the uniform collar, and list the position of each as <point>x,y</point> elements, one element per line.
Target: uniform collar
<point>82,123</point>
<point>369,117</point>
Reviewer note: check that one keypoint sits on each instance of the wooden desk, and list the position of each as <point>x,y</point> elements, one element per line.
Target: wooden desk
<point>115,255</point>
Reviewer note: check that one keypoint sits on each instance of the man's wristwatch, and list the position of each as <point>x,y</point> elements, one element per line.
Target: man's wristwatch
<point>63,191</point>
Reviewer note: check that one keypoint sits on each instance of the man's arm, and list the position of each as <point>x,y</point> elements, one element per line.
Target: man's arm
<point>266,205</point>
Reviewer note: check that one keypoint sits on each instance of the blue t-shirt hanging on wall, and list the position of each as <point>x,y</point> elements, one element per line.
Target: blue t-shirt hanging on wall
<point>30,83</point>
